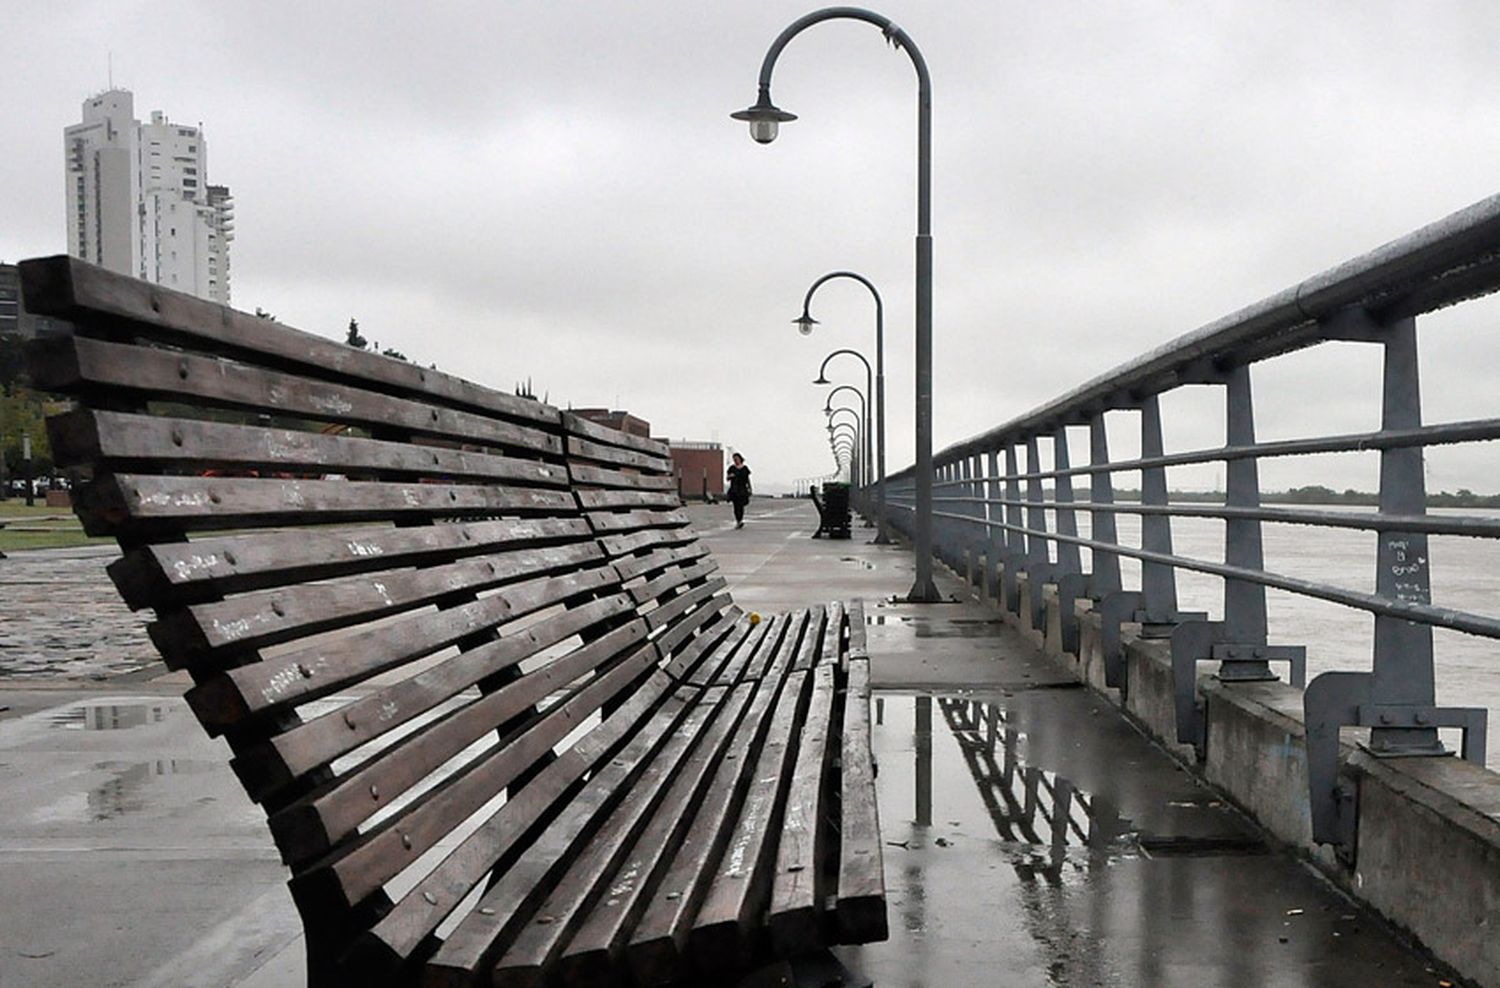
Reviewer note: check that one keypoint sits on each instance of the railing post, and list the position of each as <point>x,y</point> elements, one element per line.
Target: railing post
<point>994,538</point>
<point>1072,582</point>
<point>1038,561</point>
<point>1015,554</point>
<point>1116,605</point>
<point>1158,580</point>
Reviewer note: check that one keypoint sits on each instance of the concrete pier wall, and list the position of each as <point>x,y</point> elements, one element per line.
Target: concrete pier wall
<point>1427,855</point>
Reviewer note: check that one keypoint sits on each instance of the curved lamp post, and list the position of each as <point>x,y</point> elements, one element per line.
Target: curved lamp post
<point>864,429</point>
<point>881,538</point>
<point>854,434</point>
<point>765,119</point>
<point>805,324</point>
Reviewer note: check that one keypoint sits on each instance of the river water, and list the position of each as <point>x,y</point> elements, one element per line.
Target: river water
<point>1465,576</point>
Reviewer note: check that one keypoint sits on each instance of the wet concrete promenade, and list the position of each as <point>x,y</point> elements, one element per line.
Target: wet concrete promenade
<point>1033,836</point>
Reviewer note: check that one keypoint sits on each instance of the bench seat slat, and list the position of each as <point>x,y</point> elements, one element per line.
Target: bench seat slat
<point>831,651</point>
<point>279,614</point>
<point>736,653</point>
<point>860,912</point>
<point>796,904</point>
<point>168,574</point>
<point>705,627</point>
<point>740,887</point>
<point>70,288</point>
<point>312,825</point>
<point>75,364</point>
<point>317,670</point>
<point>618,794</point>
<point>657,941</point>
<point>360,867</point>
<point>653,816</point>
<point>304,747</point>
<point>411,921</point>
<point>86,436</point>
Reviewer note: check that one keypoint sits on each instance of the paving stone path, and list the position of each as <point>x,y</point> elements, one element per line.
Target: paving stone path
<point>60,617</point>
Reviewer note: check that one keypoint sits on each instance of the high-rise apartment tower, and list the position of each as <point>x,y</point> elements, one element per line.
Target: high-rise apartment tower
<point>139,201</point>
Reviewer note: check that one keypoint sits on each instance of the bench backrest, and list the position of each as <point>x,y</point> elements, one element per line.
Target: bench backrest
<point>401,596</point>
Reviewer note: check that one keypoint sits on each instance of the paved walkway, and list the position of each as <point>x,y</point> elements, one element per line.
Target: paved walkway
<point>1033,837</point>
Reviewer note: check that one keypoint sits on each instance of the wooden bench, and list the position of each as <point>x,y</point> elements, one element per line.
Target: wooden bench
<point>505,721</point>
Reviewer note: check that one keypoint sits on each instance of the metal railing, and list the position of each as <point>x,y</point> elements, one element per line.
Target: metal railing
<point>982,514</point>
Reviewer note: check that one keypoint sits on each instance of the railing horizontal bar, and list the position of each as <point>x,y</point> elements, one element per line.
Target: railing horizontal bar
<point>1474,526</point>
<point>1442,617</point>
<point>1449,433</point>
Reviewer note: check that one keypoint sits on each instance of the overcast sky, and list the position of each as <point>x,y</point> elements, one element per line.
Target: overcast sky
<point>553,190</point>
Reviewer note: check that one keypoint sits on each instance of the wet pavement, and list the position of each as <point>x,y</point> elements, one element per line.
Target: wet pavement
<point>1033,836</point>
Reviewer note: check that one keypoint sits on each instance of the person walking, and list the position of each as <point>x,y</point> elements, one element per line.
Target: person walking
<point>739,489</point>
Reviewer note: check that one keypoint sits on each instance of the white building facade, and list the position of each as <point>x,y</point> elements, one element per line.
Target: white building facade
<point>139,201</point>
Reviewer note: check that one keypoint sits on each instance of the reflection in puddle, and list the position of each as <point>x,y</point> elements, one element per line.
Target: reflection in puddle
<point>923,627</point>
<point>126,792</point>
<point>109,716</point>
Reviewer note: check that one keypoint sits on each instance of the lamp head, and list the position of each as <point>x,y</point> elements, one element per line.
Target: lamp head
<point>764,118</point>
<point>805,324</point>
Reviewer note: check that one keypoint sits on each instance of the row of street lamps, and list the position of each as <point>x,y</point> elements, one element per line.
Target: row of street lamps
<point>765,120</point>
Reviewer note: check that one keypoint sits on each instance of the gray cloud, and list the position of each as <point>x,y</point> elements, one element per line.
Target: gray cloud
<point>553,190</point>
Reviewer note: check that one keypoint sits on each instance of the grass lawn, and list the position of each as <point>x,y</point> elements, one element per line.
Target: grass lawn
<point>39,527</point>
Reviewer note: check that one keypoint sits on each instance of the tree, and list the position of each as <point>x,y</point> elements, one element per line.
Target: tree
<point>353,338</point>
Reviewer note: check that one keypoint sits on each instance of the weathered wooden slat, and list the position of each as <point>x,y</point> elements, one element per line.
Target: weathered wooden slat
<point>173,573</point>
<point>672,580</point>
<point>696,623</point>
<point>771,663</point>
<point>679,605</point>
<point>623,545</point>
<point>300,749</point>
<point>587,475</point>
<point>655,562</point>
<point>69,288</point>
<point>659,938</point>
<point>579,426</point>
<point>317,670</point>
<point>727,926</point>
<point>860,911</point>
<point>807,651</point>
<point>411,921</point>
<point>116,503</point>
<point>597,453</point>
<point>268,617</point>
<point>359,867</point>
<point>582,846</point>
<point>594,500</point>
<point>858,649</point>
<point>628,521</point>
<point>796,908</point>
<point>736,653</point>
<point>604,886</point>
<point>175,444</point>
<point>831,650</point>
<point>89,367</point>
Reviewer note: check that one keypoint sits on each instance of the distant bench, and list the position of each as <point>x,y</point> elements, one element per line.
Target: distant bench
<point>506,723</point>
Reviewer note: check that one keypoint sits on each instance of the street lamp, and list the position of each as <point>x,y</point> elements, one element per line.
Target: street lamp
<point>864,414</point>
<point>765,118</point>
<point>854,434</point>
<point>877,459</point>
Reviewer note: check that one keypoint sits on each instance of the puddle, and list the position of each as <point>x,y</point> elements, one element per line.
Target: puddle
<point>127,792</point>
<point>861,563</point>
<point>109,716</point>
<point>923,627</point>
<point>962,780</point>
